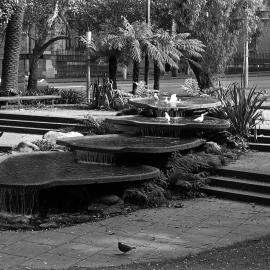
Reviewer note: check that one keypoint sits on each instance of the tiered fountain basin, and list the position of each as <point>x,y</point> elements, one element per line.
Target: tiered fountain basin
<point>49,169</point>
<point>159,126</point>
<point>176,107</point>
<point>118,143</point>
<point>24,176</point>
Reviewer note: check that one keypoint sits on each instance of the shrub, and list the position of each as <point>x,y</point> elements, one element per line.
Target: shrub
<point>241,108</point>
<point>147,194</point>
<point>191,87</point>
<point>95,126</point>
<point>105,97</point>
<point>71,96</point>
<point>68,96</point>
<point>44,145</point>
<point>43,91</point>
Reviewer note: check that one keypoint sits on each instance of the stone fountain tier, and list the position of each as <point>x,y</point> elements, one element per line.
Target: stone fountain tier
<point>49,169</point>
<point>116,143</point>
<point>187,103</point>
<point>159,126</point>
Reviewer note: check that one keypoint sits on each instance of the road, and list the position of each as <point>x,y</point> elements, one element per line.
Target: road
<point>173,85</point>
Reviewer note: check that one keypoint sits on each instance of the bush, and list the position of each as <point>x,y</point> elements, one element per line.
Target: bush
<point>68,96</point>
<point>241,108</point>
<point>95,126</point>
<point>71,96</point>
<point>147,194</point>
<point>105,97</point>
<point>191,87</point>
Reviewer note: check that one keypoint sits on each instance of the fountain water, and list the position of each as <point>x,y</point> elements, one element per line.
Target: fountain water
<point>170,117</point>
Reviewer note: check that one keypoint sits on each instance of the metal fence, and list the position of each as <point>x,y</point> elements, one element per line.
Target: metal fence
<point>72,64</point>
<point>257,62</point>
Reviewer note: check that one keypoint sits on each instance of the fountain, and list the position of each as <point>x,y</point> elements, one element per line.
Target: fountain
<point>166,132</point>
<point>110,158</point>
<point>171,117</point>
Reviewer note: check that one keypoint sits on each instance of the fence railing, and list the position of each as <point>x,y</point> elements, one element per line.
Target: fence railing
<point>257,62</point>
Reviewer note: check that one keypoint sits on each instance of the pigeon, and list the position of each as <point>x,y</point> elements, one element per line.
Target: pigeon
<point>167,117</point>
<point>156,96</point>
<point>199,119</point>
<point>124,248</point>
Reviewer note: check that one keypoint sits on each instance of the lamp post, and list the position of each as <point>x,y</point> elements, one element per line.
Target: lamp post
<point>88,72</point>
<point>146,60</point>
<point>246,50</point>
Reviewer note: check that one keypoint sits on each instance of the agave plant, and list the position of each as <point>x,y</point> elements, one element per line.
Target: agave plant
<point>242,109</point>
<point>105,97</point>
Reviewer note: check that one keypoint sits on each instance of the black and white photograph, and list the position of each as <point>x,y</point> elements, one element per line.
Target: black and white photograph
<point>134,134</point>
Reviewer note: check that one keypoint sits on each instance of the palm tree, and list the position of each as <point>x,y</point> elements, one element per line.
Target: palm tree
<point>10,64</point>
<point>140,39</point>
<point>111,44</point>
<point>178,46</point>
<point>162,47</point>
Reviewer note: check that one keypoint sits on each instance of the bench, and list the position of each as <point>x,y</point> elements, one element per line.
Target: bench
<point>12,99</point>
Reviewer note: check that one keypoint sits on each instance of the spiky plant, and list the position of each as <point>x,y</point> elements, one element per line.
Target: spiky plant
<point>242,108</point>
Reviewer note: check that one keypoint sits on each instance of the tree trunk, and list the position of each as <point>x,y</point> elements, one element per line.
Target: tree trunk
<point>113,70</point>
<point>156,76</point>
<point>10,64</point>
<point>33,73</point>
<point>38,50</point>
<point>202,76</point>
<point>136,72</point>
<point>146,70</point>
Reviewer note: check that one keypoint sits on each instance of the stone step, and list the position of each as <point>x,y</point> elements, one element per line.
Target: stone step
<point>243,173</point>
<point>235,194</point>
<point>25,130</point>
<point>240,184</point>
<point>262,147</point>
<point>39,118</point>
<point>36,124</point>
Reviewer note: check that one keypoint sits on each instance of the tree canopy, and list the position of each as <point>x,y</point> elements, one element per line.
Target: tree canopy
<point>6,10</point>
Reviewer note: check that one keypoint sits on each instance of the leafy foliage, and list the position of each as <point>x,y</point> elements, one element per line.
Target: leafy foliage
<point>68,96</point>
<point>71,96</point>
<point>95,126</point>
<point>6,9</point>
<point>219,24</point>
<point>241,108</point>
<point>148,194</point>
<point>163,47</point>
<point>105,97</point>
<point>191,87</point>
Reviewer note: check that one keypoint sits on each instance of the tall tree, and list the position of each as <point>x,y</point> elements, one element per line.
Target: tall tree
<point>46,23</point>
<point>10,64</point>
<point>219,25</point>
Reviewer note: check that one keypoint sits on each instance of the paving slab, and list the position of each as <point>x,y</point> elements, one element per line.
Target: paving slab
<point>252,162</point>
<point>157,234</point>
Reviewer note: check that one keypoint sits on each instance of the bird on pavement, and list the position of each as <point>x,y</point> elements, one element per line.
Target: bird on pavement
<point>167,117</point>
<point>124,248</point>
<point>199,119</point>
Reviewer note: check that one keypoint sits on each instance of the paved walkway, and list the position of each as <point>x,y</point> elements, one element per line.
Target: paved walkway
<point>157,234</point>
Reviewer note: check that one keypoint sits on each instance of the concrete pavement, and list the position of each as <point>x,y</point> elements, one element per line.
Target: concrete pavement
<point>158,234</point>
